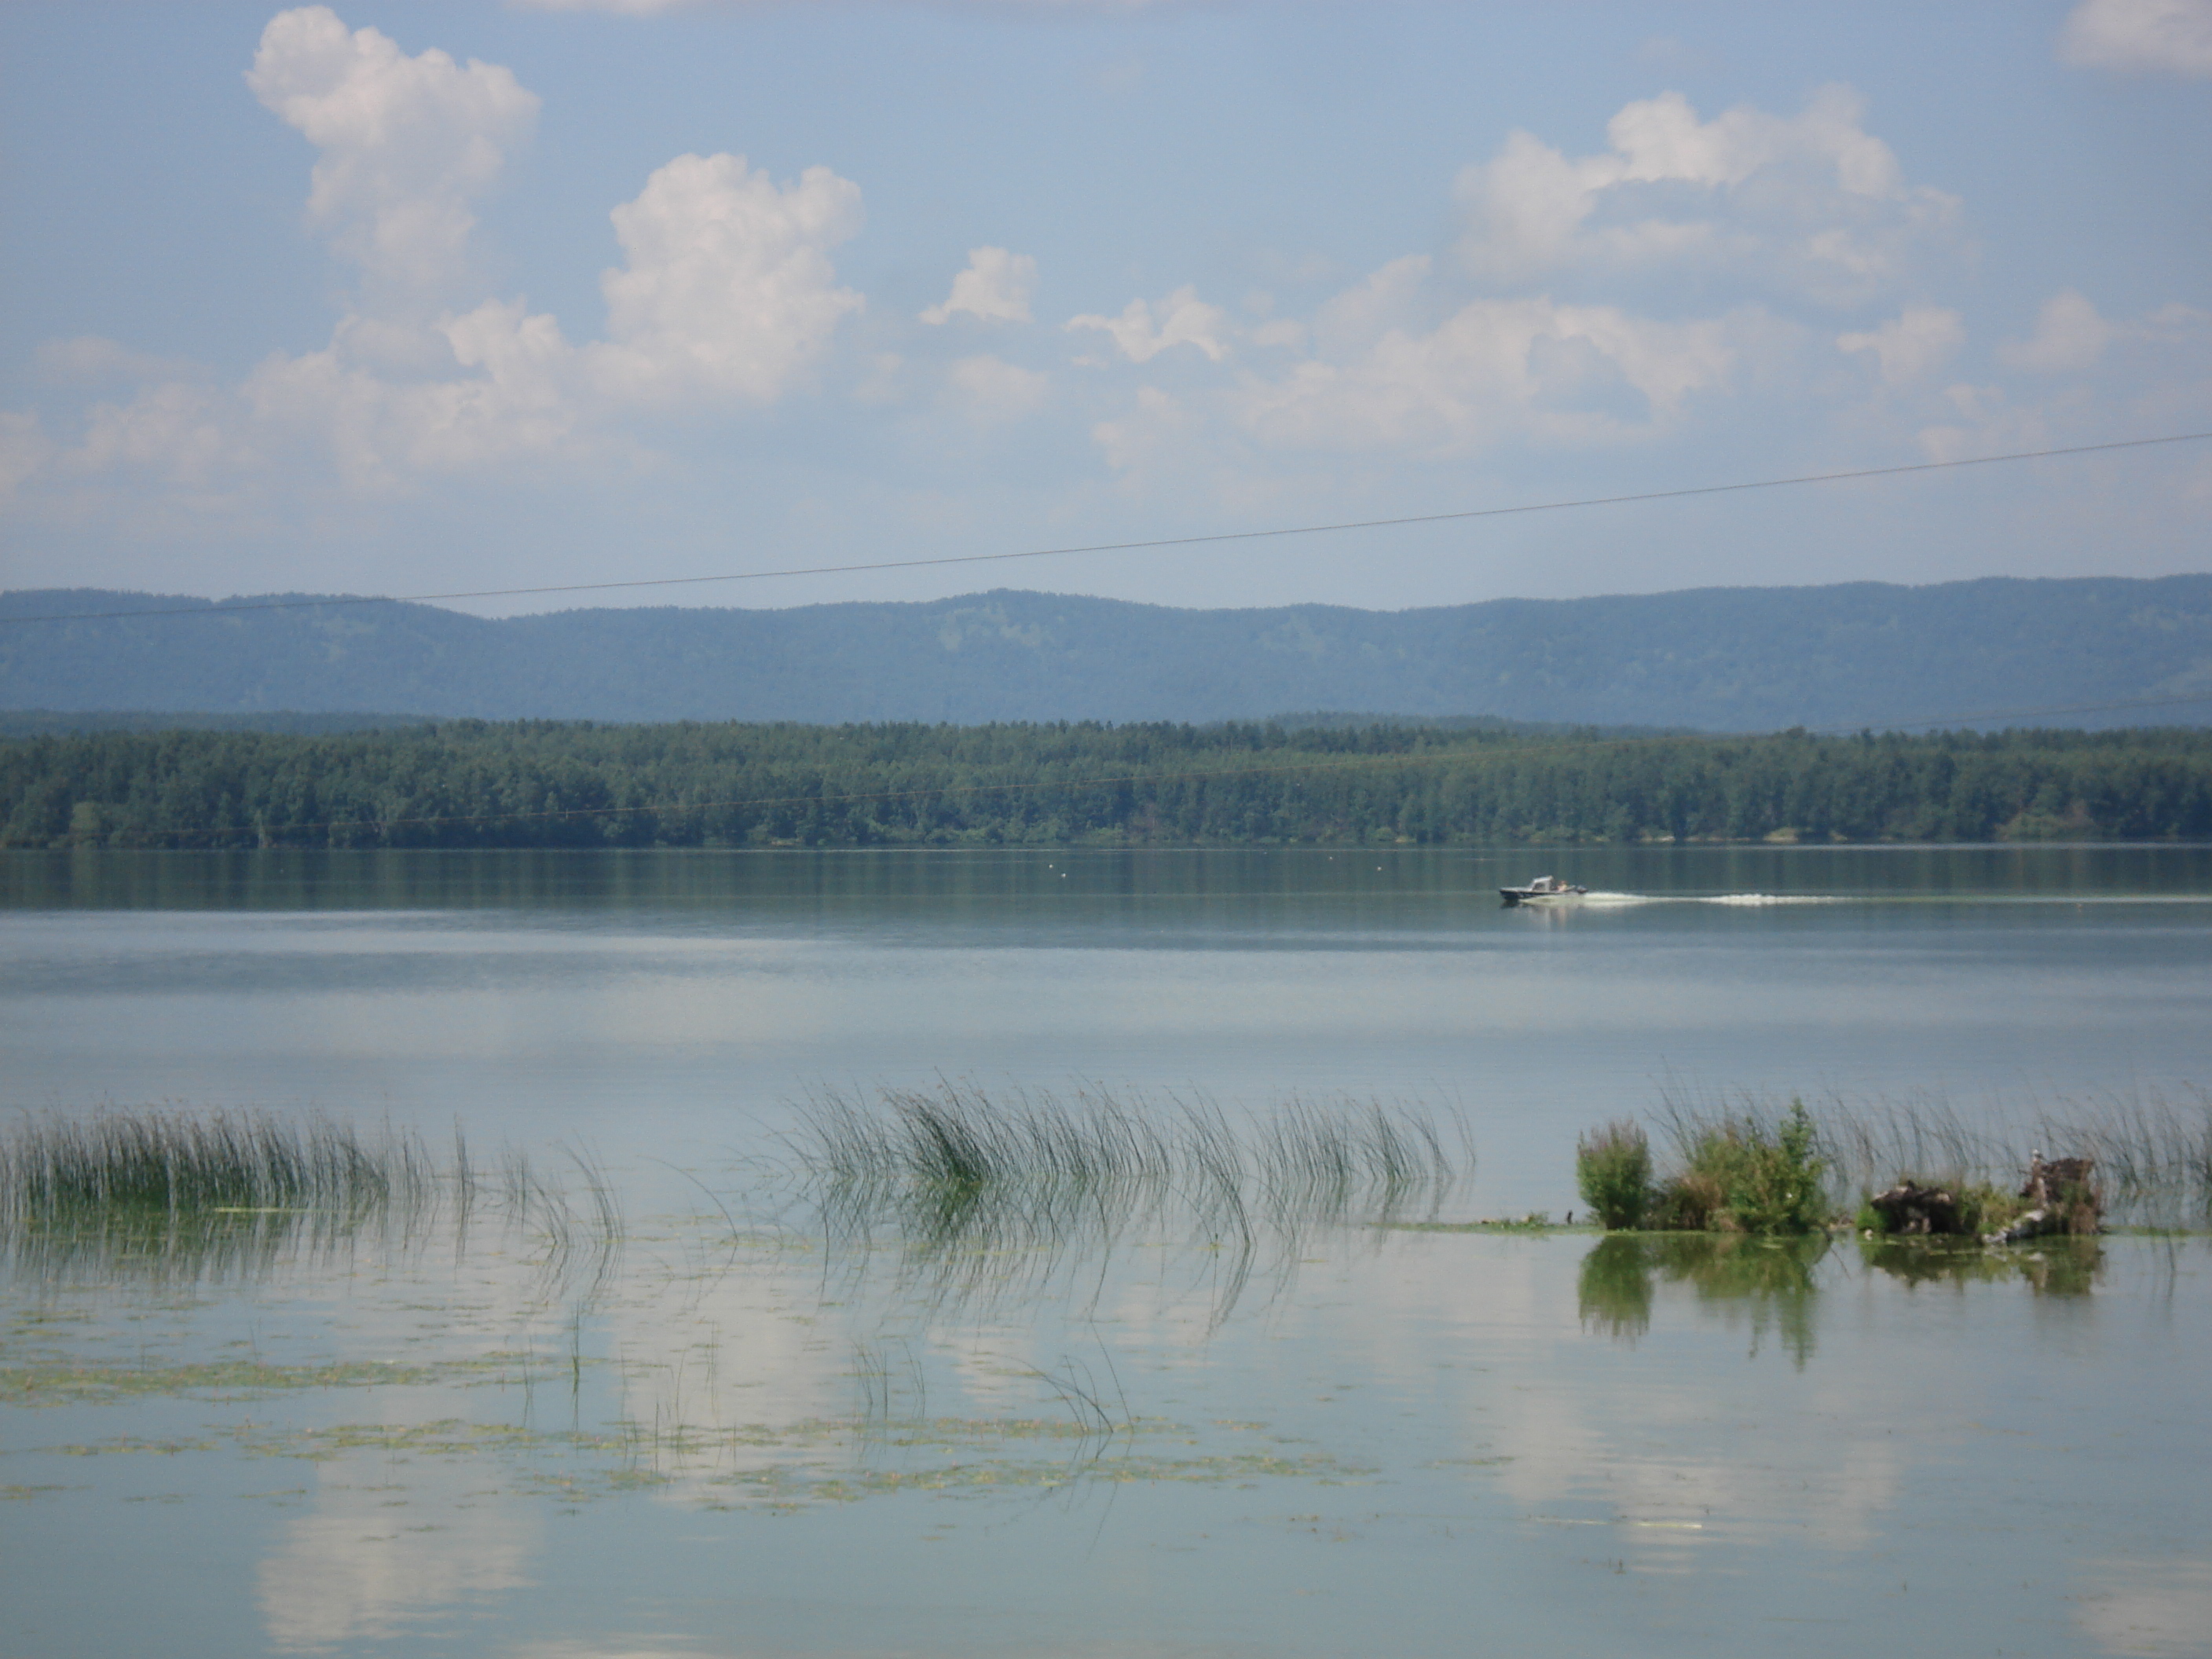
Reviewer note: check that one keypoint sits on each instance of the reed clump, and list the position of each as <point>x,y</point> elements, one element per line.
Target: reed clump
<point>959,1161</point>
<point>172,1163</point>
<point>1328,1156</point>
<point>232,1194</point>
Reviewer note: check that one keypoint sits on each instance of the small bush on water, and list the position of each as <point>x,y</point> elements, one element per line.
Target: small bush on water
<point>1747,1173</point>
<point>1691,1202</point>
<point>1613,1169</point>
<point>1776,1186</point>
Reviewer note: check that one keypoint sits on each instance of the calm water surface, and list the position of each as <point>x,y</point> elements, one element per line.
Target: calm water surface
<point>732,1433</point>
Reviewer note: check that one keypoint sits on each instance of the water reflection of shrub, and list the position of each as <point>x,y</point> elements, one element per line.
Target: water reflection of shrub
<point>1614,1290</point>
<point>1771,1280</point>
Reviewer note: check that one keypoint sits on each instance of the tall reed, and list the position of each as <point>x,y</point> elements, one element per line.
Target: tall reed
<point>176,1163</point>
<point>957,1148</point>
<point>230,1194</point>
<point>992,1193</point>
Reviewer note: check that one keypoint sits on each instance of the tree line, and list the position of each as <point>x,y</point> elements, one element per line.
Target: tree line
<point>549,784</point>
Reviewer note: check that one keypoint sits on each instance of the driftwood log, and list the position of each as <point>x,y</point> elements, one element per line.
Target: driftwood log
<point>2063,1198</point>
<point>1909,1207</point>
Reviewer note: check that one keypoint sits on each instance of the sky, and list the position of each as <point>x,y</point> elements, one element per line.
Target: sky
<point>411,298</point>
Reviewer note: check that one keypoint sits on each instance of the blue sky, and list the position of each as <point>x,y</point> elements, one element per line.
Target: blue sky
<point>407,298</point>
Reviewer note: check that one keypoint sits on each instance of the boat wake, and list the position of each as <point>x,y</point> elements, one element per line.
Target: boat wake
<point>1739,901</point>
<point>1595,899</point>
<point>1754,900</point>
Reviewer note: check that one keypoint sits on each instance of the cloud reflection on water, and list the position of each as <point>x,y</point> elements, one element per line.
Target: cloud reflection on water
<point>379,1555</point>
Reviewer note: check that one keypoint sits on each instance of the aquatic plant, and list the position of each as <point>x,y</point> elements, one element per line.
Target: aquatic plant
<point>990,1194</point>
<point>938,1155</point>
<point>227,1194</point>
<point>1613,1171</point>
<point>177,1163</point>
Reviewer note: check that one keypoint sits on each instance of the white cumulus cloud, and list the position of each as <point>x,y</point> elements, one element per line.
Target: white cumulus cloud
<point>2070,335</point>
<point>517,400</point>
<point>1182,319</point>
<point>728,289</point>
<point>620,8</point>
<point>408,143</point>
<point>995,287</point>
<point>1495,367</point>
<point>1812,201</point>
<point>656,7</point>
<point>1918,339</point>
<point>2170,37</point>
<point>726,294</point>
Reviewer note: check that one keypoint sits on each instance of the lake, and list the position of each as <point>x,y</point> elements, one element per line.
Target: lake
<point>739,1422</point>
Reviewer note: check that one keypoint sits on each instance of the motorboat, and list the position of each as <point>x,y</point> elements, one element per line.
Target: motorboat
<point>1544,888</point>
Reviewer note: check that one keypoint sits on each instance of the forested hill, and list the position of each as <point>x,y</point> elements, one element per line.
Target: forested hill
<point>541,784</point>
<point>1717,659</point>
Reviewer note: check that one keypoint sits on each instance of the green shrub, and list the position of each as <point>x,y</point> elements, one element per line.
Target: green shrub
<point>1749,1176</point>
<point>1612,1168</point>
<point>1689,1202</point>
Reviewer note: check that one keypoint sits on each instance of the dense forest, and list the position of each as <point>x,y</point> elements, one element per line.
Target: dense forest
<point>549,784</point>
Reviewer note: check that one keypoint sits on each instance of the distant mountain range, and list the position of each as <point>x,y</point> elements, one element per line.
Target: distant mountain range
<point>1741,658</point>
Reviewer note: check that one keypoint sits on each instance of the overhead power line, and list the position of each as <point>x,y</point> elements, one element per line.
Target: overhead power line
<point>1195,775</point>
<point>1211,539</point>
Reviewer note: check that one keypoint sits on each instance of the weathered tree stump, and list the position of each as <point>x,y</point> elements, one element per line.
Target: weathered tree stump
<point>1910,1208</point>
<point>2064,1199</point>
